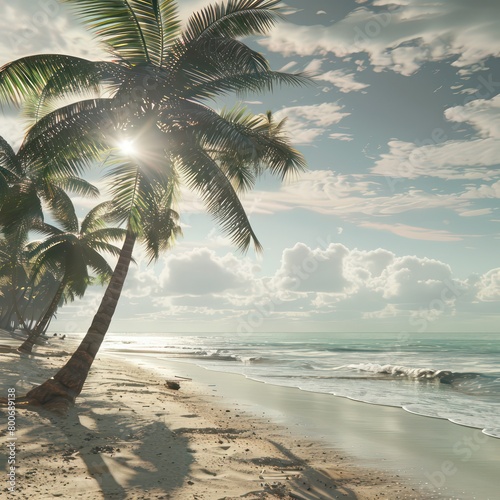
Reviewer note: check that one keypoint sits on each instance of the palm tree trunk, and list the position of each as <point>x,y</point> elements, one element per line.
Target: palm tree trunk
<point>6,320</point>
<point>27,345</point>
<point>19,316</point>
<point>60,392</point>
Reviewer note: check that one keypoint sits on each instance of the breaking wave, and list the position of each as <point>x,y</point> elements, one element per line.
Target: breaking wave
<point>426,374</point>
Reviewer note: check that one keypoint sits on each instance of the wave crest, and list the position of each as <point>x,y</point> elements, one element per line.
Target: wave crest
<point>444,376</point>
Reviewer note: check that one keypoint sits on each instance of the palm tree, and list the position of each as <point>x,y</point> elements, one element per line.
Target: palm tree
<point>37,297</point>
<point>14,270</point>
<point>69,252</point>
<point>146,206</point>
<point>158,85</point>
<point>25,185</point>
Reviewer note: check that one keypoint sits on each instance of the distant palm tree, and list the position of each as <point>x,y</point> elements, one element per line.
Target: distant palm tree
<point>70,252</point>
<point>157,87</point>
<point>14,281</point>
<point>25,186</point>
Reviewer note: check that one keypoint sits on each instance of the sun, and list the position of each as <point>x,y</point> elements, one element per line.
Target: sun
<point>127,147</point>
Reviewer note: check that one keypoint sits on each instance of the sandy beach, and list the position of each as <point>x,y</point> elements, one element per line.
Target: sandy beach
<point>132,437</point>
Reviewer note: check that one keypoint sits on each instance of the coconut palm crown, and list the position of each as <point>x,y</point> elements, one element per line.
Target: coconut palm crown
<point>154,94</point>
<point>159,80</point>
<point>68,252</point>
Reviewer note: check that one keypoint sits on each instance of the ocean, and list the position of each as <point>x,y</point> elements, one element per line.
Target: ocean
<point>451,376</point>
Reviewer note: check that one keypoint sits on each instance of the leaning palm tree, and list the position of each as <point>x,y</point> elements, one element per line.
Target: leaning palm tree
<point>144,204</point>
<point>157,89</point>
<point>69,252</point>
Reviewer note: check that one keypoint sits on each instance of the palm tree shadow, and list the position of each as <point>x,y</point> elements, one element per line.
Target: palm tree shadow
<point>106,441</point>
<point>102,437</point>
<point>125,451</point>
<point>321,484</point>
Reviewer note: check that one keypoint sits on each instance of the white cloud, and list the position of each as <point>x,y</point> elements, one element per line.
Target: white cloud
<point>331,282</point>
<point>201,272</point>
<point>334,274</point>
<point>141,283</point>
<point>489,286</point>
<point>413,232</point>
<point>482,114</point>
<point>450,159</point>
<point>323,115</point>
<point>288,66</point>
<point>342,80</point>
<point>303,269</point>
<point>346,196</point>
<point>403,37</point>
<point>314,66</point>
<point>471,159</point>
<point>412,279</point>
<point>389,311</point>
<point>483,191</point>
<point>373,284</point>
<point>476,213</point>
<point>43,27</point>
<point>341,137</point>
<point>306,123</point>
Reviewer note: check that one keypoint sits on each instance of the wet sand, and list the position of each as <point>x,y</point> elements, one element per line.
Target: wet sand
<point>438,458</point>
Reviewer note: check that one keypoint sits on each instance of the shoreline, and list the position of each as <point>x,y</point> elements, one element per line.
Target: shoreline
<point>129,436</point>
<point>440,458</point>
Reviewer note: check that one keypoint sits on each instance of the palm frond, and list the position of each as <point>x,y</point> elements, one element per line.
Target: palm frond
<point>61,207</point>
<point>235,18</point>
<point>244,144</point>
<point>206,86</point>
<point>20,208</point>
<point>169,23</point>
<point>124,189</point>
<point>212,130</point>
<point>26,76</point>
<point>11,169</point>
<point>104,236</point>
<point>129,27</point>
<point>50,255</point>
<point>211,58</point>
<point>67,142</point>
<point>86,79</point>
<point>46,263</point>
<point>203,175</point>
<point>160,222</point>
<point>99,264</point>
<point>8,160</point>
<point>272,151</point>
<point>95,218</point>
<point>160,232</point>
<point>78,186</point>
<point>45,229</point>
<point>225,56</point>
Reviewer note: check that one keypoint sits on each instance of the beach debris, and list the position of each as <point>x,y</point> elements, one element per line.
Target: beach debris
<point>103,449</point>
<point>69,454</point>
<point>172,384</point>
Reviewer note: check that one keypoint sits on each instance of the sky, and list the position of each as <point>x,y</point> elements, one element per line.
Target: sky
<point>395,227</point>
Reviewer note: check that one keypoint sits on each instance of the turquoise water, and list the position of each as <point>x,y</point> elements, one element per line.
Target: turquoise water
<point>448,376</point>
